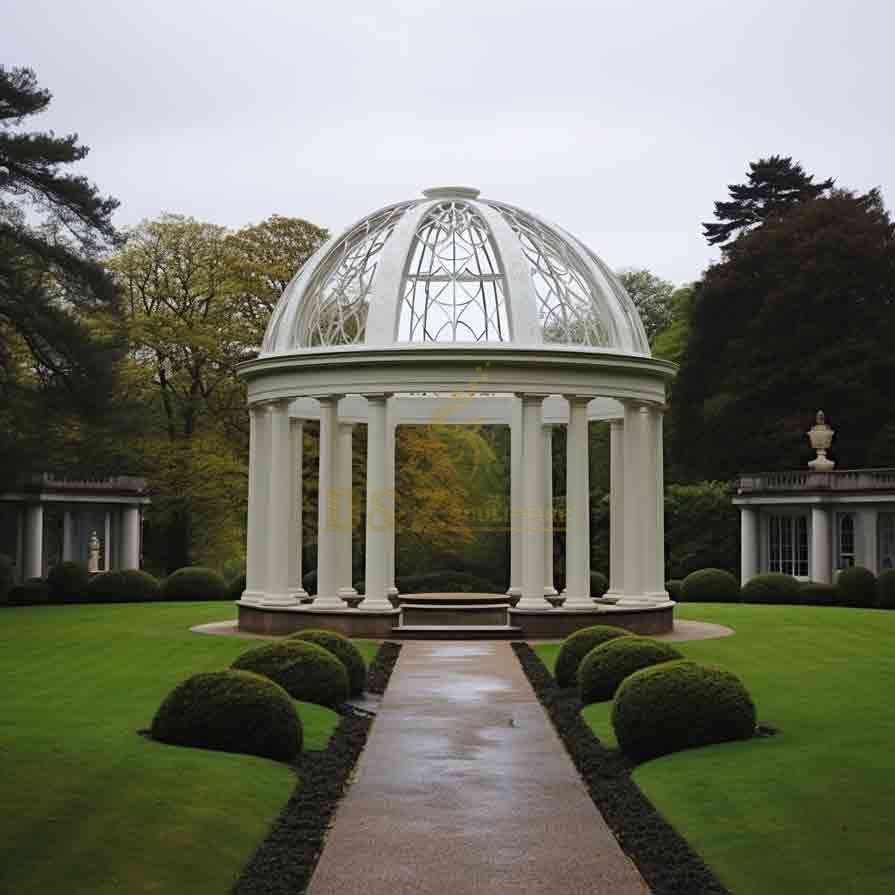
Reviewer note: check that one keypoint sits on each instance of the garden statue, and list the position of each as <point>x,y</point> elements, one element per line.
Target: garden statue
<point>93,553</point>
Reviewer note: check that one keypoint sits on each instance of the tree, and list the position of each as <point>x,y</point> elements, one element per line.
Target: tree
<point>651,296</point>
<point>53,225</point>
<point>263,259</point>
<point>671,342</point>
<point>775,186</point>
<point>798,317</point>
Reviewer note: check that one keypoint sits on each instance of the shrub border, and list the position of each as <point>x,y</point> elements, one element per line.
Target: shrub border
<point>664,858</point>
<point>285,860</point>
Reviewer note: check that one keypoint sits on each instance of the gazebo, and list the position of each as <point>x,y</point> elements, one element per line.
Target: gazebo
<point>446,309</point>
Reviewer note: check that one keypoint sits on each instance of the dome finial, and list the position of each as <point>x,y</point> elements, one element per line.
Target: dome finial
<point>451,192</point>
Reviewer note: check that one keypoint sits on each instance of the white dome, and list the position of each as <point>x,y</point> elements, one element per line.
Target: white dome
<point>454,268</point>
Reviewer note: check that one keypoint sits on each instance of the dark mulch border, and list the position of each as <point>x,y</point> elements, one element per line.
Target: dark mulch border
<point>663,857</point>
<point>285,860</point>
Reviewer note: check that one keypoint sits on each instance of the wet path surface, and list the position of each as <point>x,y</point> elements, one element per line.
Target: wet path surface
<point>464,787</point>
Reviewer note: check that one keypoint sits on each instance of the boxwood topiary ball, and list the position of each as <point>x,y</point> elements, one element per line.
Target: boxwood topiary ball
<point>67,582</point>
<point>710,586</point>
<point>885,589</point>
<point>604,668</point>
<point>771,587</point>
<point>576,646</point>
<point>679,705</point>
<point>818,593</point>
<point>344,650</point>
<point>673,586</point>
<point>194,583</point>
<point>125,586</point>
<point>856,587</point>
<point>230,711</point>
<point>304,670</point>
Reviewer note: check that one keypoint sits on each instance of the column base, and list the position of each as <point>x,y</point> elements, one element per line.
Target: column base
<point>374,604</point>
<point>534,603</point>
<point>331,602</point>
<point>514,591</point>
<point>277,601</point>
<point>347,592</point>
<point>392,591</point>
<point>299,593</point>
<point>648,599</point>
<point>550,591</point>
<point>579,602</point>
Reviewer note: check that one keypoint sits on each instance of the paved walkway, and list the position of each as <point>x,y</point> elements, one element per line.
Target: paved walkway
<point>464,787</point>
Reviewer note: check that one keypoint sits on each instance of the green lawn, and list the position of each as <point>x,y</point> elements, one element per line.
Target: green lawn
<point>811,810</point>
<point>91,807</point>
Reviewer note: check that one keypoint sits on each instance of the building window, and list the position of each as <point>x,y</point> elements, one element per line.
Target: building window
<point>788,545</point>
<point>845,540</point>
<point>886,541</point>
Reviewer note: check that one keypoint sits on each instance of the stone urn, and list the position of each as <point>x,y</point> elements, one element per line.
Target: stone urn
<point>821,437</point>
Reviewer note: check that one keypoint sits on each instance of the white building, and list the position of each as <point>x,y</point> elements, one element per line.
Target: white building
<point>814,522</point>
<point>45,519</point>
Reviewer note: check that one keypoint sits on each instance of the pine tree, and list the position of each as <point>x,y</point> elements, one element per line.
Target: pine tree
<point>775,185</point>
<point>53,225</point>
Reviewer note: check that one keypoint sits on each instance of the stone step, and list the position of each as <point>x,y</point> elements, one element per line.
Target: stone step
<point>456,632</point>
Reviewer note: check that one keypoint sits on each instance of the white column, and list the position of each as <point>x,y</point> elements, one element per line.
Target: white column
<point>327,508</point>
<point>296,491</point>
<point>516,521</point>
<point>577,507</point>
<point>107,541</point>
<point>130,537</point>
<point>34,541</point>
<point>390,448</point>
<point>279,506</point>
<point>533,505</point>
<point>67,540</point>
<point>380,507</point>
<point>821,545</point>
<point>654,504</point>
<point>256,551</point>
<point>345,518</point>
<point>549,589</point>
<point>635,543</point>
<point>748,544</point>
<point>616,508</point>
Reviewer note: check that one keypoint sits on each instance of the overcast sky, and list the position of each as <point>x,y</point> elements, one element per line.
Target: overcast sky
<point>621,121</point>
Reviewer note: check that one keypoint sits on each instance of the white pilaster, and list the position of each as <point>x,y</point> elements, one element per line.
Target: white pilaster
<point>296,490</point>
<point>577,508</point>
<point>34,540</point>
<point>616,508</point>
<point>107,541</point>
<point>549,589</point>
<point>256,551</point>
<point>129,555</point>
<point>748,544</point>
<point>533,504</point>
<point>390,448</point>
<point>380,507</point>
<point>345,517</point>
<point>327,508</point>
<point>515,520</point>
<point>279,506</point>
<point>67,536</point>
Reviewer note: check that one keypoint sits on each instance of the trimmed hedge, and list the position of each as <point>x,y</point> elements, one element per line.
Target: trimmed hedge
<point>67,582</point>
<point>680,705</point>
<point>344,650</point>
<point>673,586</point>
<point>604,668</point>
<point>236,587</point>
<point>194,583</point>
<point>710,586</point>
<point>576,646</point>
<point>5,576</point>
<point>230,711</point>
<point>32,592</point>
<point>818,593</point>
<point>771,587</point>
<point>124,586</point>
<point>856,587</point>
<point>445,581</point>
<point>599,584</point>
<point>304,670</point>
<point>885,589</point>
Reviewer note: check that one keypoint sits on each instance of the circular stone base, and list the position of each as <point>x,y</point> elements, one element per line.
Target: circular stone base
<point>287,620</point>
<point>553,623</point>
<point>453,599</point>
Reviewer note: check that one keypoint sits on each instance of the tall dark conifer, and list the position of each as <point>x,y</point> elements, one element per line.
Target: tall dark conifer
<point>775,185</point>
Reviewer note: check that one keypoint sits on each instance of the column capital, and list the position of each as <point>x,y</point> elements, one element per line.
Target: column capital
<point>277,404</point>
<point>533,397</point>
<point>579,399</point>
<point>617,423</point>
<point>328,399</point>
<point>379,396</point>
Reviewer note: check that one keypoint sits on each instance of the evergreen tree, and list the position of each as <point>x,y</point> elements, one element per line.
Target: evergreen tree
<point>798,317</point>
<point>775,185</point>
<point>52,227</point>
